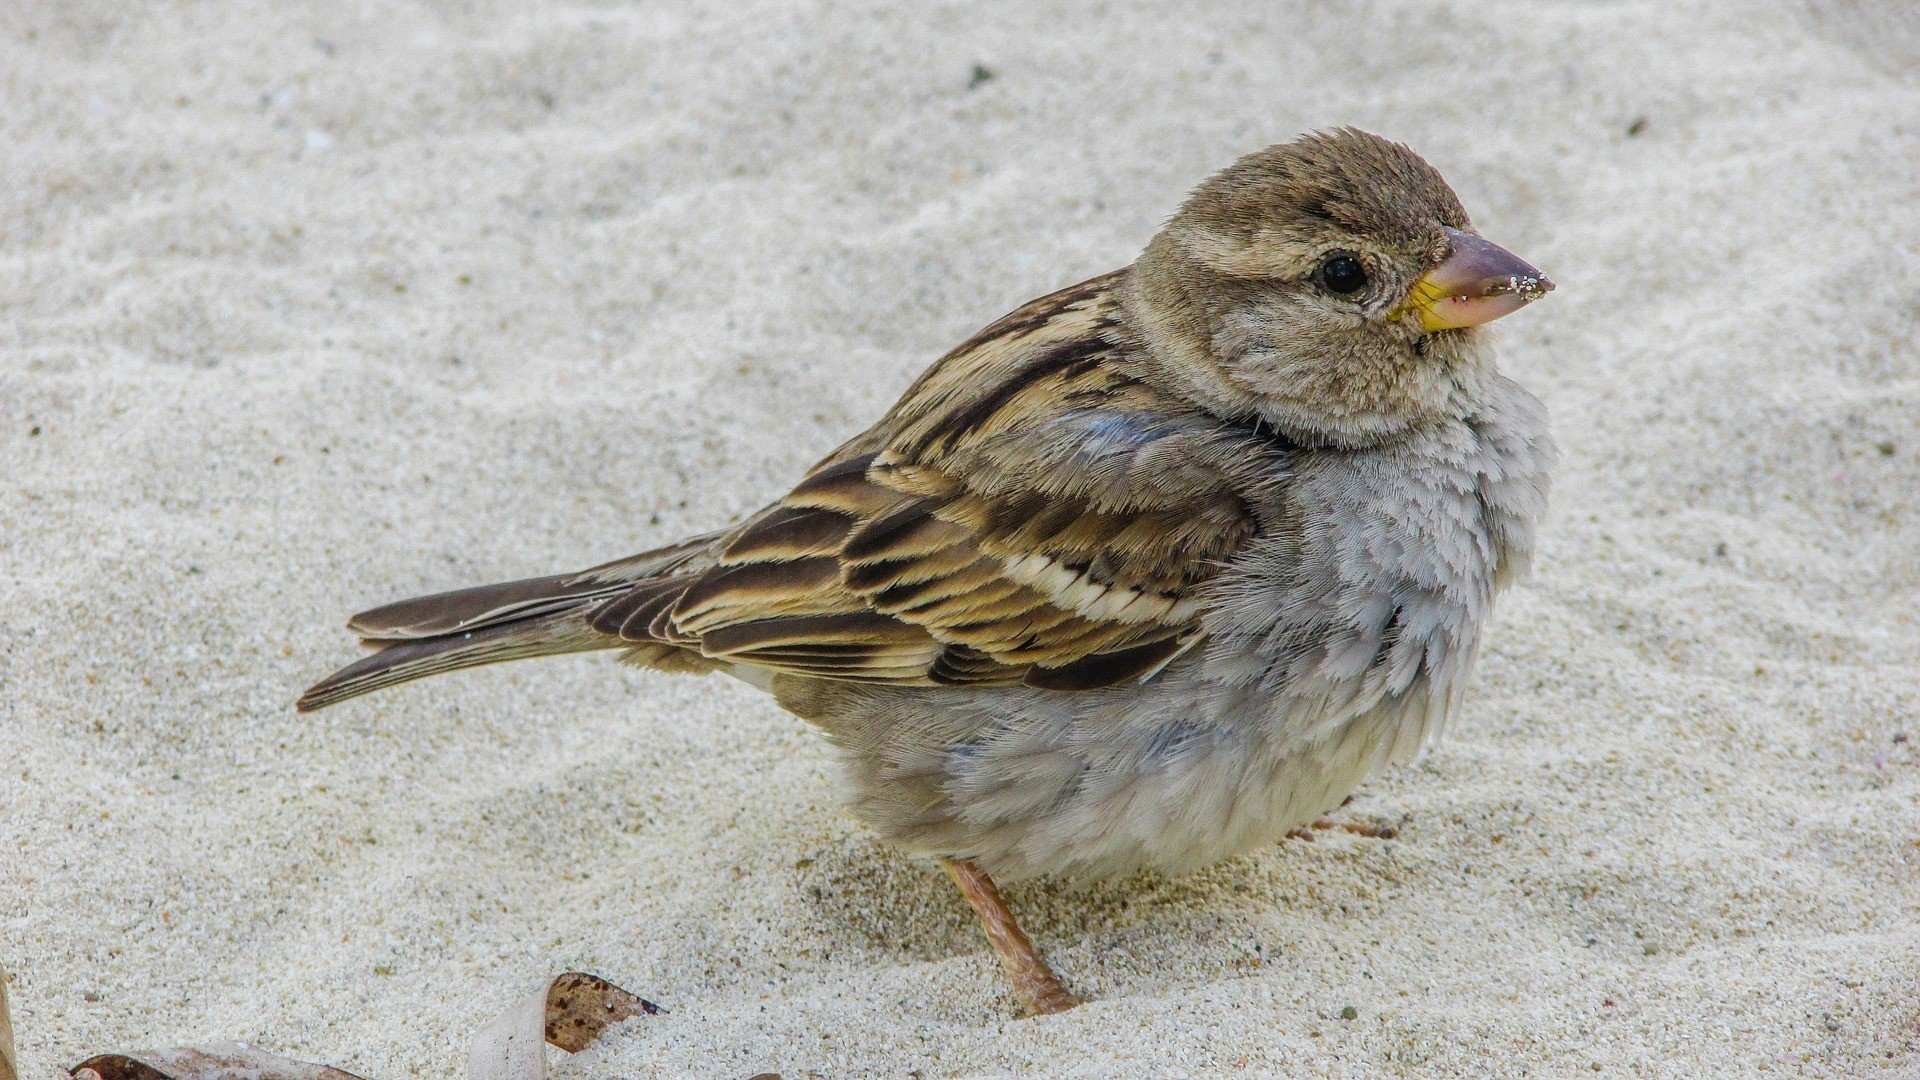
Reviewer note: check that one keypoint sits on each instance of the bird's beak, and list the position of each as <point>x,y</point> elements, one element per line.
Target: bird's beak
<point>1479,282</point>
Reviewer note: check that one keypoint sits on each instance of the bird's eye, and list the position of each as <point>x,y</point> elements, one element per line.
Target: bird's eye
<point>1343,274</point>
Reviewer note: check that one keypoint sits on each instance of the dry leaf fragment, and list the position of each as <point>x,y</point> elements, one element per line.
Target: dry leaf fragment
<point>570,1013</point>
<point>9,1064</point>
<point>221,1061</point>
<point>581,1006</point>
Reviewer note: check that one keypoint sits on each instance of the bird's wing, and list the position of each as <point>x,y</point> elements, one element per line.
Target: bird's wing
<point>1027,513</point>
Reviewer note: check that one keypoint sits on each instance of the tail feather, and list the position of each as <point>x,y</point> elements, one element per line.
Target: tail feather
<point>512,620</point>
<point>406,660</point>
<point>470,609</point>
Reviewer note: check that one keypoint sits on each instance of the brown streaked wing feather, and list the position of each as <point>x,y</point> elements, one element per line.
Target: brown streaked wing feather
<point>1107,668</point>
<point>790,634</point>
<point>628,615</point>
<point>721,596</point>
<point>961,665</point>
<point>790,532</point>
<point>1027,512</point>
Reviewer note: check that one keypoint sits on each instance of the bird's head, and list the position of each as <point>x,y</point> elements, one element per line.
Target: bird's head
<point>1331,286</point>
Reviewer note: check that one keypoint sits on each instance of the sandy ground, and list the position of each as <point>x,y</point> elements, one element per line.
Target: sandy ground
<point>303,308</point>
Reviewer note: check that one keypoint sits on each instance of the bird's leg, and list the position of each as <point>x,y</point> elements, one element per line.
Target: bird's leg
<point>1039,988</point>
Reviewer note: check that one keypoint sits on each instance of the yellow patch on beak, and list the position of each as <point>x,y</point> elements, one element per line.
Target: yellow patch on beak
<point>1479,282</point>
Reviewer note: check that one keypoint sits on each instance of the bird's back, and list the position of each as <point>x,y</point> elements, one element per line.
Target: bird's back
<point>1030,512</point>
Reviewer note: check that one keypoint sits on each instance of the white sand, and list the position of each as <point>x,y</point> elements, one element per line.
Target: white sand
<point>313,309</point>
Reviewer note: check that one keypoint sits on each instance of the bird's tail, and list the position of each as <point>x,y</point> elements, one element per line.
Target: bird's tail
<point>405,661</point>
<point>512,620</point>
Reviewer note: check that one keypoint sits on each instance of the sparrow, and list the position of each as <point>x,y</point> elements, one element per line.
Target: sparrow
<point>1144,575</point>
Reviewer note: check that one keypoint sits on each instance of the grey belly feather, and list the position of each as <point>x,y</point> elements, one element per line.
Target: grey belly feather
<point>1339,642</point>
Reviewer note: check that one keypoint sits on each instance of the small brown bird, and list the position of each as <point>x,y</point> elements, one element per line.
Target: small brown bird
<point>1144,575</point>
